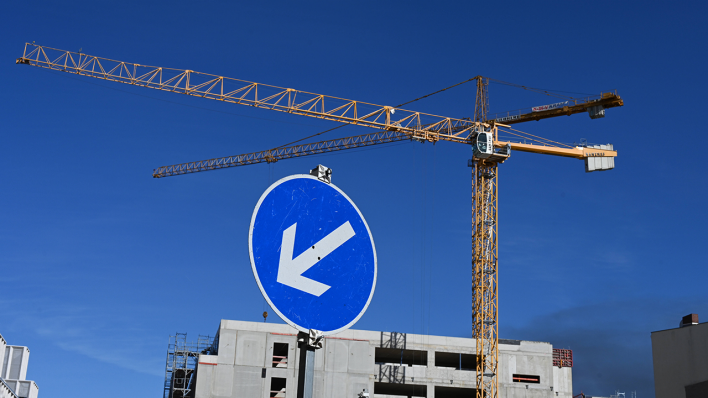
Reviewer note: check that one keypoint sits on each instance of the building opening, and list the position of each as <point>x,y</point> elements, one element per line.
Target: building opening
<point>526,379</point>
<point>456,360</point>
<point>454,392</point>
<point>401,357</point>
<point>277,387</point>
<point>280,355</point>
<point>406,390</point>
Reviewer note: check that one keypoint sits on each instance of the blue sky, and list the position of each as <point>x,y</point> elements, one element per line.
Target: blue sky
<point>100,263</point>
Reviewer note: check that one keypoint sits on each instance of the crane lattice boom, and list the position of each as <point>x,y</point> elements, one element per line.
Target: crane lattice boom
<point>416,124</point>
<point>594,105</point>
<point>273,155</point>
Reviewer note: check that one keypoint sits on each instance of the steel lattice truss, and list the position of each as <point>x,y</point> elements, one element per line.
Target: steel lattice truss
<point>416,124</point>
<point>484,276</point>
<point>273,155</point>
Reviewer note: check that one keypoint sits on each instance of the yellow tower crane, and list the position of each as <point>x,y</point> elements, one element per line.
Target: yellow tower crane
<point>394,124</point>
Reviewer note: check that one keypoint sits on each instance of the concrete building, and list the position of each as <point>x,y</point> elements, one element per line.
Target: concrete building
<point>681,360</point>
<point>260,360</point>
<point>13,372</point>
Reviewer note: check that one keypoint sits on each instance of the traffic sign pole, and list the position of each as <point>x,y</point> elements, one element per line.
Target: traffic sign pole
<point>309,342</point>
<point>314,260</point>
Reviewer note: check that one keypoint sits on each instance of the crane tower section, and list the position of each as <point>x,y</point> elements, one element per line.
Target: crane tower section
<point>484,275</point>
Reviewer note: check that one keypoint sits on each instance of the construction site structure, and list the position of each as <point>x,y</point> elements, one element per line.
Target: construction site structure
<point>261,360</point>
<point>394,124</point>
<point>181,364</point>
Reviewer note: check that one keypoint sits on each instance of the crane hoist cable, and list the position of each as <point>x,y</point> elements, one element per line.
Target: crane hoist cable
<point>397,106</point>
<point>548,92</point>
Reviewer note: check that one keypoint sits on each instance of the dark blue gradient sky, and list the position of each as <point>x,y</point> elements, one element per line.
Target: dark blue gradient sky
<point>100,263</point>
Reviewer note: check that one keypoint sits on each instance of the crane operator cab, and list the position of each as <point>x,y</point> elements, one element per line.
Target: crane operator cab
<point>483,148</point>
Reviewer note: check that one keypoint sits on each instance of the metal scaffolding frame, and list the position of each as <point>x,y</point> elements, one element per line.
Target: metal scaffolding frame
<point>181,364</point>
<point>393,340</point>
<point>392,373</point>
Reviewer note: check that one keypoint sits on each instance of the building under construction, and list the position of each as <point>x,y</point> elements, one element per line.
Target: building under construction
<point>261,360</point>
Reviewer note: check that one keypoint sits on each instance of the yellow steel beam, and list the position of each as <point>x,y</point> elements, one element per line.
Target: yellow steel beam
<point>415,124</point>
<point>276,154</point>
<point>606,100</point>
<point>339,144</point>
<point>420,126</point>
<point>485,263</point>
<point>576,152</point>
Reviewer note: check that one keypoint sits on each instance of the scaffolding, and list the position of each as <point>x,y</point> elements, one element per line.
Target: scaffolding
<point>393,340</point>
<point>562,358</point>
<point>391,373</point>
<point>181,364</point>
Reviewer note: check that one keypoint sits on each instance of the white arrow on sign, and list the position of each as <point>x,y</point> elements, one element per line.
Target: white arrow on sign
<point>290,269</point>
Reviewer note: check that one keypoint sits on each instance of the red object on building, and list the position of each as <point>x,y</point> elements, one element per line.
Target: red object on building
<point>688,320</point>
<point>562,358</point>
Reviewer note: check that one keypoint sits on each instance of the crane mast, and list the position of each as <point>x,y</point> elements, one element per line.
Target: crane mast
<point>395,124</point>
<point>485,255</point>
<point>485,261</point>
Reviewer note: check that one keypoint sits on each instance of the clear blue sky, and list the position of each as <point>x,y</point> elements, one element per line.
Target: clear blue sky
<point>100,263</point>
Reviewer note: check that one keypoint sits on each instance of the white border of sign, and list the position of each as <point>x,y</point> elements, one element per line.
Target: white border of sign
<point>253,263</point>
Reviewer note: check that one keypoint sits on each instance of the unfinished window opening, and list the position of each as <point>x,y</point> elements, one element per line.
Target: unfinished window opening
<point>454,392</point>
<point>277,387</point>
<point>401,357</point>
<point>456,360</point>
<point>406,390</point>
<point>280,355</point>
<point>391,373</point>
<point>526,379</point>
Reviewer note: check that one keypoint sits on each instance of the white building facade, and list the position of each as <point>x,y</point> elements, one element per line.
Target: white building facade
<point>260,360</point>
<point>13,372</point>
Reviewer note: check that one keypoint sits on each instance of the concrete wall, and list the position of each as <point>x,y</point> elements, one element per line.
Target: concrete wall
<point>563,382</point>
<point>680,359</point>
<point>348,363</point>
<point>526,358</point>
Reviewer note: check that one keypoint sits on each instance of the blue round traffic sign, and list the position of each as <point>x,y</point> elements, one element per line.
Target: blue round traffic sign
<point>312,254</point>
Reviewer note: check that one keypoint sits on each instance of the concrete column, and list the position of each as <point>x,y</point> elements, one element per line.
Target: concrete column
<point>431,365</point>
